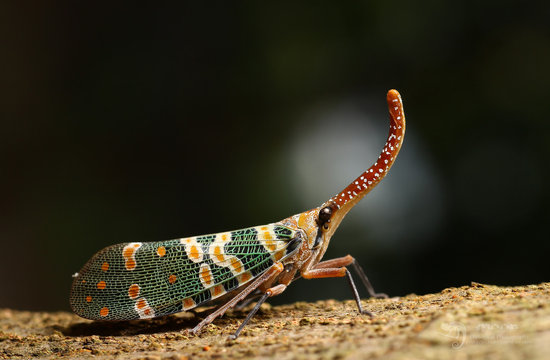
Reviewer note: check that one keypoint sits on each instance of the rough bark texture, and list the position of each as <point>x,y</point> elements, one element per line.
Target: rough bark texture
<point>480,321</point>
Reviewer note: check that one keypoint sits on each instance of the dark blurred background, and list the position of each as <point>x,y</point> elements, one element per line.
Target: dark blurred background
<point>125,123</point>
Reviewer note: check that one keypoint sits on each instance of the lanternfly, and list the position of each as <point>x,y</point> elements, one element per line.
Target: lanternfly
<point>142,280</point>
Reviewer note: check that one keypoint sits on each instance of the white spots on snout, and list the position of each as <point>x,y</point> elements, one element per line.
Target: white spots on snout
<point>334,143</point>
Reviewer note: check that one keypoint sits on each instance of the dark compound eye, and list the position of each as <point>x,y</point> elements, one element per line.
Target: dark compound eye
<point>324,215</point>
<point>324,219</point>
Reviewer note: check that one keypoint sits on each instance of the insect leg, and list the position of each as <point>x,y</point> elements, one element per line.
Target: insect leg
<point>249,316</point>
<point>249,299</point>
<point>273,270</point>
<point>333,263</point>
<point>356,295</point>
<point>359,270</point>
<point>276,290</point>
<point>350,260</point>
<point>337,272</point>
<point>286,277</point>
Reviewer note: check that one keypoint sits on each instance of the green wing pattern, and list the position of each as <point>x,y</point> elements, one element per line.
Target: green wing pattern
<point>144,280</point>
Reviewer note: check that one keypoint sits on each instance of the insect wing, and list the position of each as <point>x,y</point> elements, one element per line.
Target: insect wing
<point>144,280</point>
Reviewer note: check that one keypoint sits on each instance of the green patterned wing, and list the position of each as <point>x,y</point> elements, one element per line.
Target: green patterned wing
<point>150,279</point>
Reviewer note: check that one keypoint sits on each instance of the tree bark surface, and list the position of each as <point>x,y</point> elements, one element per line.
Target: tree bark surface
<point>481,321</point>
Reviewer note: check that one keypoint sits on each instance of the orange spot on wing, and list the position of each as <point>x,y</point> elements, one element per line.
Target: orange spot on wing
<point>236,265</point>
<point>133,291</point>
<point>264,228</point>
<point>206,275</point>
<point>194,253</point>
<point>218,253</point>
<point>105,266</point>
<point>188,303</point>
<point>161,251</point>
<point>130,264</point>
<point>101,285</point>
<point>128,252</point>
<point>217,290</point>
<point>224,237</point>
<point>244,277</point>
<point>88,299</point>
<point>147,312</point>
<point>104,311</point>
<point>172,279</point>
<point>141,303</point>
<point>271,245</point>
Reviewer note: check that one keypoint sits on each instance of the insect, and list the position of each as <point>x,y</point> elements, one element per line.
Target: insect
<point>141,280</point>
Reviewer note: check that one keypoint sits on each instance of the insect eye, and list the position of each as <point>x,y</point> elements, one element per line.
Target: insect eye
<point>324,215</point>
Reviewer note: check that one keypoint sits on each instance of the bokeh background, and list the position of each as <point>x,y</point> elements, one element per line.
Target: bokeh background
<point>125,123</point>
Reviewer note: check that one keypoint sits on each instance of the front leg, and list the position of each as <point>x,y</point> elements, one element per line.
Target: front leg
<point>350,260</point>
